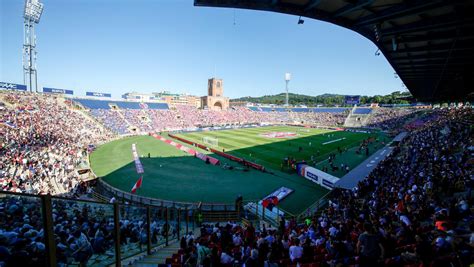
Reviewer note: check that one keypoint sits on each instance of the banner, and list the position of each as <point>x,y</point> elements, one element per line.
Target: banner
<point>316,176</point>
<point>96,94</point>
<point>136,159</point>
<point>57,91</point>
<point>280,193</point>
<point>12,86</point>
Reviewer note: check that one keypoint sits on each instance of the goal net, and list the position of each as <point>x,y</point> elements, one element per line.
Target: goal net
<point>210,141</point>
<point>304,130</point>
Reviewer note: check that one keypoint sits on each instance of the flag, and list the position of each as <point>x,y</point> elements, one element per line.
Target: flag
<point>270,202</point>
<point>137,185</point>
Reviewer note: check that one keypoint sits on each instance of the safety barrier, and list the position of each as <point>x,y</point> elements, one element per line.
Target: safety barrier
<point>123,196</point>
<point>172,223</point>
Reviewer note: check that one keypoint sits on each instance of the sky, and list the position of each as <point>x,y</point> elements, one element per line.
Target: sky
<point>119,46</point>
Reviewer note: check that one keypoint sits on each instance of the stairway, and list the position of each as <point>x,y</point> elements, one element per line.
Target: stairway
<point>159,257</point>
<point>123,118</point>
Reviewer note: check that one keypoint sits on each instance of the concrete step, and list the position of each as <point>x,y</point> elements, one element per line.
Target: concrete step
<point>159,257</point>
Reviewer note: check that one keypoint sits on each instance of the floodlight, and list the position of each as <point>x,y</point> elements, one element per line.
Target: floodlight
<point>31,15</point>
<point>33,10</point>
<point>287,80</point>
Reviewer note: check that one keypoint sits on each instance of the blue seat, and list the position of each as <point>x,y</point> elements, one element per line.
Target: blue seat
<point>362,111</point>
<point>93,103</point>
<point>157,105</point>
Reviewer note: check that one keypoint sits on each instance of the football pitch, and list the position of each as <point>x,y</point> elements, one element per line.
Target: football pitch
<point>172,174</point>
<point>269,146</point>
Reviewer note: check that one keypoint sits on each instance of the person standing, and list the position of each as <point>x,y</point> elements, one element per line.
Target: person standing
<point>369,247</point>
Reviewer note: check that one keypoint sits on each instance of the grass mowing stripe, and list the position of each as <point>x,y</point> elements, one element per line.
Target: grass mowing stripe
<point>270,152</point>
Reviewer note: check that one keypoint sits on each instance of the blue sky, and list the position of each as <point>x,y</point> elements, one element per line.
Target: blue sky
<point>118,46</point>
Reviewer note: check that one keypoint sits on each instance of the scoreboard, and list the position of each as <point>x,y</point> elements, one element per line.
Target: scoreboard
<point>352,99</point>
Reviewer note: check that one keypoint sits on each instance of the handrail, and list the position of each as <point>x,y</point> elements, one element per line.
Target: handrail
<point>314,207</point>
<point>205,206</point>
<point>174,217</point>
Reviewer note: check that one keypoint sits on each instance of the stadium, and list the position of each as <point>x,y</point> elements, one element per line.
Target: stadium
<point>171,179</point>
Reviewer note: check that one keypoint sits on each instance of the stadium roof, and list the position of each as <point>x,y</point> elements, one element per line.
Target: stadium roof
<point>429,43</point>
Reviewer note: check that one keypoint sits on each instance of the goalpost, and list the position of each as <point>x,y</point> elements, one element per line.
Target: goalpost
<point>210,141</point>
<point>306,130</point>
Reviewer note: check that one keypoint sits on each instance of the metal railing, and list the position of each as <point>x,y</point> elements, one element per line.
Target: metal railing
<point>254,208</point>
<point>316,206</point>
<point>128,197</point>
<point>56,215</point>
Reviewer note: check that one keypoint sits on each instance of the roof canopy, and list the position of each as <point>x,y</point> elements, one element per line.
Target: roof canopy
<point>429,43</point>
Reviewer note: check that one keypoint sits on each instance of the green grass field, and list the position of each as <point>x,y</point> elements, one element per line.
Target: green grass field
<point>249,143</point>
<point>172,174</point>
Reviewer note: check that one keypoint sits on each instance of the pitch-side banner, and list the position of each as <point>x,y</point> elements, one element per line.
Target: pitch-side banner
<point>136,159</point>
<point>319,177</point>
<point>57,91</point>
<point>12,86</point>
<point>97,94</point>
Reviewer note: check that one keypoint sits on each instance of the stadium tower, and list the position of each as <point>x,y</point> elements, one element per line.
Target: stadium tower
<point>32,15</point>
<point>215,99</point>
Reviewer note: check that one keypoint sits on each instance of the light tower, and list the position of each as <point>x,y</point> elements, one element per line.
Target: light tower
<point>287,80</point>
<point>32,15</point>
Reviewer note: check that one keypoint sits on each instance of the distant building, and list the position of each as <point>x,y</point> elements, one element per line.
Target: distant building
<point>164,96</point>
<point>238,103</point>
<point>179,99</point>
<point>215,99</point>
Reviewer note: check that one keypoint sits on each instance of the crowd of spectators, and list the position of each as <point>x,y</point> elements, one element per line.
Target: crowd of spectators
<point>390,118</point>
<point>188,117</point>
<point>42,142</point>
<point>111,119</point>
<point>83,232</point>
<point>414,209</point>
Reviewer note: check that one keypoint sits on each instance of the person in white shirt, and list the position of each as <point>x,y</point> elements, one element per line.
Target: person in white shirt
<point>296,251</point>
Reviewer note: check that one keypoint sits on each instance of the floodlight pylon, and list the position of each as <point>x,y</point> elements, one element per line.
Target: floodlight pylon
<point>32,14</point>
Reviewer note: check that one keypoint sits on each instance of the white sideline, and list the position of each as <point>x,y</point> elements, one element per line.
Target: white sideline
<point>332,141</point>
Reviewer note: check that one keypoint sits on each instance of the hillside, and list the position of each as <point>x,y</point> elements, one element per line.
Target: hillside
<point>325,99</point>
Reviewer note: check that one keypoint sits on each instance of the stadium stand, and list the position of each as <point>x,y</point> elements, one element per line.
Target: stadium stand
<point>42,143</point>
<point>414,208</point>
<point>93,104</point>
<point>147,117</point>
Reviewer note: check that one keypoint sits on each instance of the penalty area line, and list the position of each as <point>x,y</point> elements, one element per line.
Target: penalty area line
<point>333,141</point>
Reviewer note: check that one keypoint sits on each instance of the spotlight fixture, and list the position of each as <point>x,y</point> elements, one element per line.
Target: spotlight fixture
<point>300,20</point>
